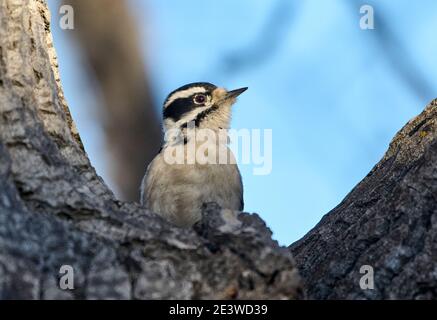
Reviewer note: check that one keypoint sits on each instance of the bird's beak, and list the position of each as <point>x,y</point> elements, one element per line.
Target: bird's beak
<point>235,93</point>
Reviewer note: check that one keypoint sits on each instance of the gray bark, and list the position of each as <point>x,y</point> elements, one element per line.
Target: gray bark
<point>388,221</point>
<point>55,210</point>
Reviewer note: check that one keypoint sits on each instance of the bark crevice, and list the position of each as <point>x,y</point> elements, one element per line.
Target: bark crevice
<point>391,225</point>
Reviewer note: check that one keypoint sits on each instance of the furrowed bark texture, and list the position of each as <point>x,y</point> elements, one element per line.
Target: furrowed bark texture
<point>388,221</point>
<point>55,210</point>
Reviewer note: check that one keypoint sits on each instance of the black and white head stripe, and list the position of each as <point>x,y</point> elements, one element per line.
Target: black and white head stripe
<point>188,91</point>
<point>180,104</point>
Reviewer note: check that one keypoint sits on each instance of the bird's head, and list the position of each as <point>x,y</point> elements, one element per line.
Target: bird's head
<point>202,104</point>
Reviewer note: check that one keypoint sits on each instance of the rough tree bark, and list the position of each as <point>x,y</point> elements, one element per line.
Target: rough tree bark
<point>388,221</point>
<point>55,210</point>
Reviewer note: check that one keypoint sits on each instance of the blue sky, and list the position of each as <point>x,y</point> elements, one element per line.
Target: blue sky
<point>333,94</point>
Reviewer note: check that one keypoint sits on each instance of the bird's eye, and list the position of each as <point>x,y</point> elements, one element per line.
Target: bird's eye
<point>199,99</point>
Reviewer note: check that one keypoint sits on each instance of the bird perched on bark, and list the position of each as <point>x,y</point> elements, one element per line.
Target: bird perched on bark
<point>189,170</point>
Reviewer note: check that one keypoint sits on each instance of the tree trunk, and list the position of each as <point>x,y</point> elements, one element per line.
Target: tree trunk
<point>387,222</point>
<point>55,210</point>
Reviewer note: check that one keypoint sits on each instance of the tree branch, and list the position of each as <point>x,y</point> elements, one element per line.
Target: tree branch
<point>388,221</point>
